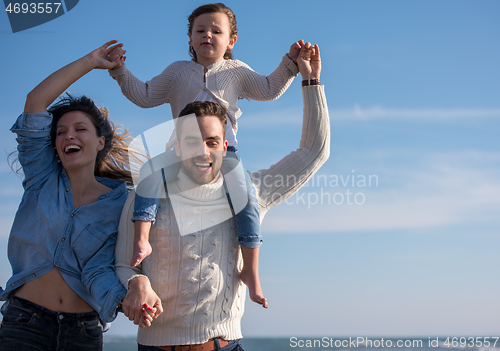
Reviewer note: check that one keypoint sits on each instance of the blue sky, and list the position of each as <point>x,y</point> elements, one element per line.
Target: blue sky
<point>413,90</point>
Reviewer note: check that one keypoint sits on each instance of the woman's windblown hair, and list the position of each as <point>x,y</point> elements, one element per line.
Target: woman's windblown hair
<point>118,159</point>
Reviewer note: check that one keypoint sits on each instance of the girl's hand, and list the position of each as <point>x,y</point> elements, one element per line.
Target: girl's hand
<point>117,52</point>
<point>293,54</point>
<point>107,56</point>
<point>309,61</point>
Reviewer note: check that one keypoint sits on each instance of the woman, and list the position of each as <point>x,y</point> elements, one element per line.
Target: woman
<point>61,246</point>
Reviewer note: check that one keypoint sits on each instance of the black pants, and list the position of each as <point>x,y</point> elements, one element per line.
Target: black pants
<point>27,326</point>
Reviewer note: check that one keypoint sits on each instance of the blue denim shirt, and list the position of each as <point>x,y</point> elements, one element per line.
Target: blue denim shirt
<point>49,232</point>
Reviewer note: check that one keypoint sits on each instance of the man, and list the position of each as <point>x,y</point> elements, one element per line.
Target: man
<point>195,265</point>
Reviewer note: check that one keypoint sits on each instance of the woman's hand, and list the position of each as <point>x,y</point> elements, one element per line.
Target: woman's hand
<point>136,304</point>
<point>54,85</point>
<point>309,61</point>
<point>108,56</point>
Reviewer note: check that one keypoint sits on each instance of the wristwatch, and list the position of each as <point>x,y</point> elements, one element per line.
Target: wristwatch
<point>307,82</point>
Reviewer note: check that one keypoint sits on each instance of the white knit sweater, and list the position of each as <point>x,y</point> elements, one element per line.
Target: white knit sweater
<point>196,275</point>
<point>193,267</point>
<point>226,80</point>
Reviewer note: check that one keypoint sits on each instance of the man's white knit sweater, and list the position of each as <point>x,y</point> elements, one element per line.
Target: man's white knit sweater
<point>196,275</point>
<point>193,267</point>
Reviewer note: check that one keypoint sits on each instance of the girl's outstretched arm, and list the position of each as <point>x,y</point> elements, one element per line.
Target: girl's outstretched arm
<point>255,86</point>
<point>54,85</point>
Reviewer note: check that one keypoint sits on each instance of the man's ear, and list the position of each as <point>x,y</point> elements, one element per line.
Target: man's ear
<point>177,149</point>
<point>225,148</point>
<point>232,41</point>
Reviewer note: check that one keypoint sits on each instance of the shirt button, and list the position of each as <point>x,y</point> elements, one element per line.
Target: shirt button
<point>34,275</point>
<point>12,285</point>
<point>63,239</point>
<point>67,190</point>
<point>72,215</point>
<point>61,316</point>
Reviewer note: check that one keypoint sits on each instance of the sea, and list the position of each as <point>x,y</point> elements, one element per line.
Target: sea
<point>344,343</point>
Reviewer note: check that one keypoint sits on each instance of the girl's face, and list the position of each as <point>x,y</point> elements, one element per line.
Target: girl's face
<point>211,37</point>
<point>77,142</point>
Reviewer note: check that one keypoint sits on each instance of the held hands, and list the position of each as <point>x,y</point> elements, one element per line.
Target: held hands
<point>309,61</point>
<point>141,304</point>
<point>116,55</point>
<point>108,56</point>
<point>54,85</point>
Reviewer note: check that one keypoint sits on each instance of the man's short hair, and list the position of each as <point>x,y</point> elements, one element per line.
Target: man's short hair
<point>202,109</point>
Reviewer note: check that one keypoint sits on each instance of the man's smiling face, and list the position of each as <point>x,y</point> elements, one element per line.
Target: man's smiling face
<point>201,146</point>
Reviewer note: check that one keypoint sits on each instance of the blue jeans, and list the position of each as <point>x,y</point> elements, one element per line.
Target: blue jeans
<point>28,326</point>
<point>233,345</point>
<point>239,189</point>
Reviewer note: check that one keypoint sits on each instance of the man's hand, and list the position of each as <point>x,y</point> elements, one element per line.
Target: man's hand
<point>141,303</point>
<point>309,61</point>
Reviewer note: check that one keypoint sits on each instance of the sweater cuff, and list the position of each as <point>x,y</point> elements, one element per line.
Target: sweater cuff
<point>118,72</point>
<point>136,276</point>
<point>313,94</point>
<point>292,66</point>
<point>314,98</point>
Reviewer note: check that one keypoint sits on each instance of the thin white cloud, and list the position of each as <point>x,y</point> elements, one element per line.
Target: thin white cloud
<point>289,116</point>
<point>293,115</point>
<point>427,115</point>
<point>439,191</point>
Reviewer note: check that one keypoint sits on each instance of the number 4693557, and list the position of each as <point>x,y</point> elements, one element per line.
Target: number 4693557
<point>25,7</point>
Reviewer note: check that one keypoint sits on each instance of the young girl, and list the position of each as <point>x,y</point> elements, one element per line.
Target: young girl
<point>211,75</point>
<point>61,246</point>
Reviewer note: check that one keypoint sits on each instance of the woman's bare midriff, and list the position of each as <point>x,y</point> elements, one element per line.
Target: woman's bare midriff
<point>51,291</point>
